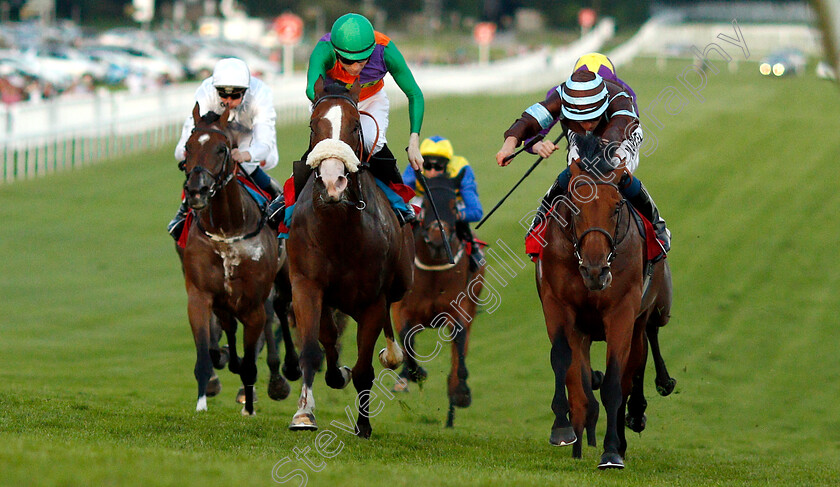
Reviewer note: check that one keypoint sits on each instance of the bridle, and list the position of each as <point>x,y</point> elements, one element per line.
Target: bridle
<point>360,205</point>
<point>577,242</point>
<point>221,178</point>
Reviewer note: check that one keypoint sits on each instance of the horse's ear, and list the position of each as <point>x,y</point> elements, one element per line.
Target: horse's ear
<point>319,87</point>
<point>196,113</point>
<point>223,121</point>
<point>355,90</point>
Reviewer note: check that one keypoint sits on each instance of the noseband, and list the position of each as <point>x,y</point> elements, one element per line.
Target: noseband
<point>223,177</point>
<point>577,242</point>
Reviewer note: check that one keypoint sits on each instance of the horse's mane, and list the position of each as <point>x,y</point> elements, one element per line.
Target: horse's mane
<point>593,156</point>
<point>210,118</point>
<point>335,89</point>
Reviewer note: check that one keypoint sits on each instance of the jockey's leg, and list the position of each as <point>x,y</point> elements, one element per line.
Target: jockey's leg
<point>383,166</point>
<point>176,226</point>
<point>559,188</point>
<point>265,182</point>
<point>638,196</point>
<point>462,229</point>
<point>277,208</point>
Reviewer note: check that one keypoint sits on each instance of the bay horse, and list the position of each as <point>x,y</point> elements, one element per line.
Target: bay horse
<point>347,251</point>
<point>230,260</point>
<point>438,283</point>
<point>591,283</point>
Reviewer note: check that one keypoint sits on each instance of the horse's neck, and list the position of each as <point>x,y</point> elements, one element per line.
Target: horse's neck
<point>228,211</point>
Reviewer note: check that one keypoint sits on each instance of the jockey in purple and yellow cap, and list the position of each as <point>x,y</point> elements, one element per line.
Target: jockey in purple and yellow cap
<point>588,103</point>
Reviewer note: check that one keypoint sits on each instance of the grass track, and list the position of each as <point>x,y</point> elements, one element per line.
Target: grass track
<point>97,357</point>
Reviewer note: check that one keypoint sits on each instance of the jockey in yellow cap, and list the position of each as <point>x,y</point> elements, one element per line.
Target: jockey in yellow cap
<point>439,160</point>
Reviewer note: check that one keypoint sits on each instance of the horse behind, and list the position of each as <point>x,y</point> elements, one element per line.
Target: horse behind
<point>437,284</point>
<point>230,260</point>
<point>347,252</point>
<point>591,284</point>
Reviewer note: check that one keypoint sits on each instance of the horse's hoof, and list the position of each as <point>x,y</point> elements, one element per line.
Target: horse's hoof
<point>635,424</point>
<point>292,372</point>
<point>401,385</point>
<point>220,357</point>
<point>347,374</point>
<point>214,386</point>
<point>461,397</point>
<point>417,374</point>
<point>246,413</point>
<point>562,436</point>
<point>303,422</point>
<point>278,388</point>
<point>611,460</point>
<point>240,396</point>
<point>391,365</point>
<point>597,379</point>
<point>666,388</point>
<point>364,431</point>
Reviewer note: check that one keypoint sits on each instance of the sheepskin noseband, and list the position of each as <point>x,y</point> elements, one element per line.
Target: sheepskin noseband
<point>328,148</point>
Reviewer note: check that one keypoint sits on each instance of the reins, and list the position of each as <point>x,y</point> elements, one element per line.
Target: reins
<point>612,238</point>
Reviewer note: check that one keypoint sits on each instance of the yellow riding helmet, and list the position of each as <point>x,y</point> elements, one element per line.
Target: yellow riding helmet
<point>596,63</point>
<point>437,146</point>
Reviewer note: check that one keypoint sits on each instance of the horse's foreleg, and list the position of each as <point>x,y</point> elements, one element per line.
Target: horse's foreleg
<point>370,325</point>
<point>557,319</point>
<point>579,386</point>
<point>636,402</point>
<point>198,311</point>
<point>618,325</point>
<point>229,325</point>
<point>392,355</point>
<point>307,307</point>
<point>458,390</point>
<point>278,387</point>
<point>335,376</point>
<point>411,371</point>
<point>254,325</point>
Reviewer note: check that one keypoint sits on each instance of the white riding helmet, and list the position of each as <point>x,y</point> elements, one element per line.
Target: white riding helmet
<point>231,72</point>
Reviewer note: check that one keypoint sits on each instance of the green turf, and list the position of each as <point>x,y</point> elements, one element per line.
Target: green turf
<point>97,357</point>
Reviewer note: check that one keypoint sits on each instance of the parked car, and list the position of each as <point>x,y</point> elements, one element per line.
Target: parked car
<point>785,62</point>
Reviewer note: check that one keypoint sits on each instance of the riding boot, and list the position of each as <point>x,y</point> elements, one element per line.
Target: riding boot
<point>176,226</point>
<point>276,210</point>
<point>301,172</point>
<point>463,231</point>
<point>638,196</point>
<point>383,166</point>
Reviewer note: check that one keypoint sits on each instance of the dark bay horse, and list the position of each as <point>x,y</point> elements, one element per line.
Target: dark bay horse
<point>347,251</point>
<point>230,260</point>
<point>591,284</point>
<point>437,284</point>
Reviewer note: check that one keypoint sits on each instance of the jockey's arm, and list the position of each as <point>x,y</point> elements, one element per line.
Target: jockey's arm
<point>623,131</point>
<point>398,68</point>
<point>472,211</point>
<point>320,61</point>
<point>537,117</point>
<point>263,146</point>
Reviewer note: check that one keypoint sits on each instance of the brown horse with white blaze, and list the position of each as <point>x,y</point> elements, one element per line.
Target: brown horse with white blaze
<point>231,257</point>
<point>347,251</point>
<point>592,287</point>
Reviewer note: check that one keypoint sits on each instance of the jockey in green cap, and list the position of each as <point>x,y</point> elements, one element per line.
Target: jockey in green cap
<point>354,52</point>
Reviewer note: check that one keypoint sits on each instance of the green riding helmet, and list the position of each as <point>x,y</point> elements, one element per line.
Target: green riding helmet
<point>352,37</point>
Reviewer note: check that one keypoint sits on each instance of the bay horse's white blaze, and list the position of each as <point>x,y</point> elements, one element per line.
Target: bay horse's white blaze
<point>201,405</point>
<point>203,139</point>
<point>392,355</point>
<point>334,115</point>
